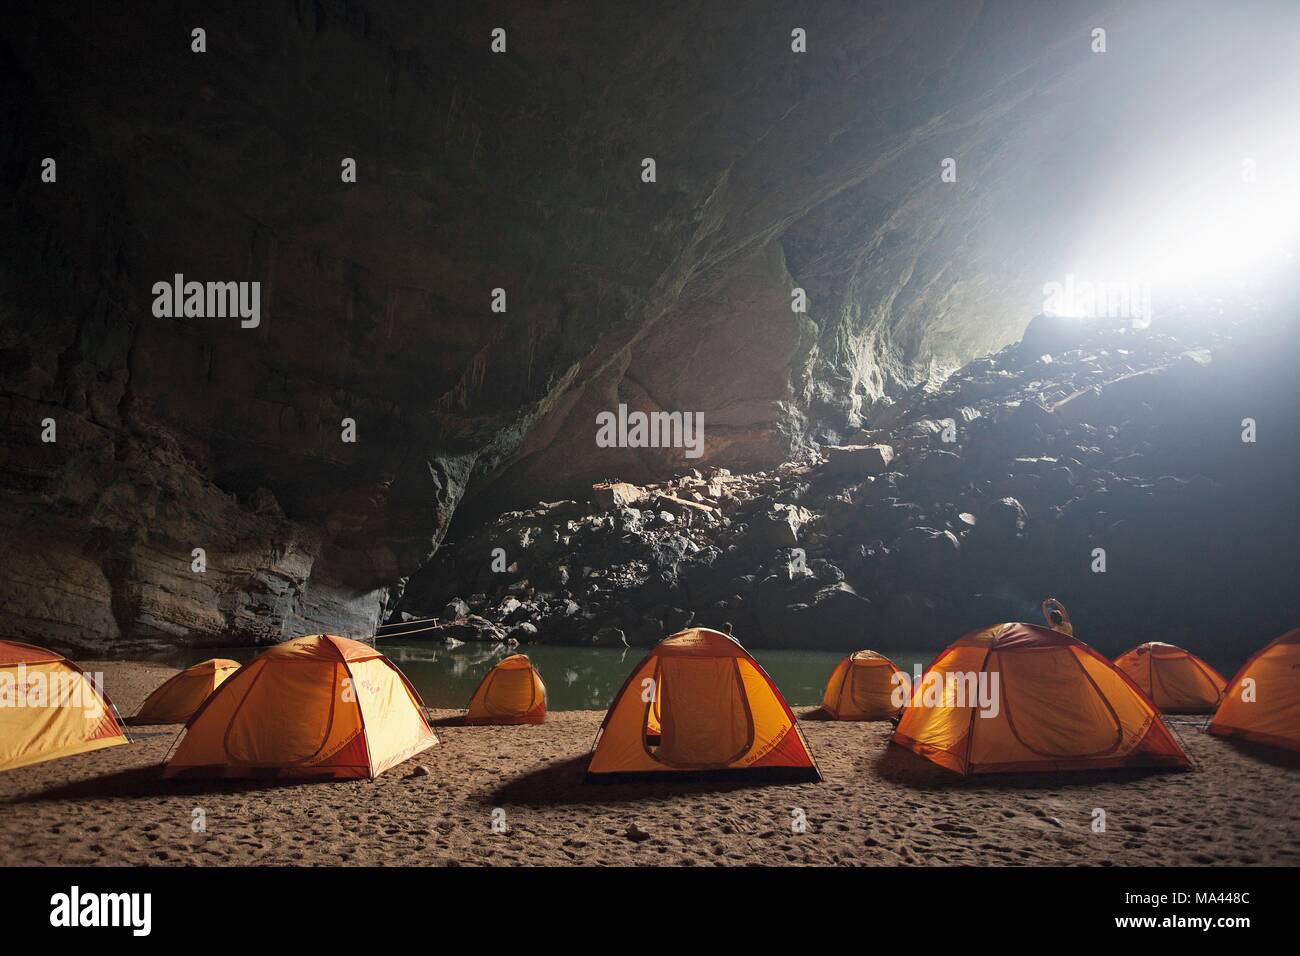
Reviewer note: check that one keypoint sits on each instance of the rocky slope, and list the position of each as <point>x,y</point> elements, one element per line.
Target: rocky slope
<point>958,507</point>
<point>477,171</point>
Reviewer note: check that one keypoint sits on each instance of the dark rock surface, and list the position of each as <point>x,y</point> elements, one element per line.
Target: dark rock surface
<point>475,171</point>
<point>522,172</point>
<point>1198,528</point>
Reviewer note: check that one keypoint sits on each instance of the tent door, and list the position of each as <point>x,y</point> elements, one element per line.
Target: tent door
<point>704,713</point>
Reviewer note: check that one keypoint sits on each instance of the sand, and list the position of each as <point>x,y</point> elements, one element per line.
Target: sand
<point>877,805</point>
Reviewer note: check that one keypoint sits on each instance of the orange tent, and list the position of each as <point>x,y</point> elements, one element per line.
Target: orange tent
<point>1177,681</point>
<point>699,703</point>
<point>512,692</point>
<point>1018,697</point>
<point>1262,703</point>
<point>318,707</point>
<point>49,708</point>
<point>863,687</point>
<point>177,698</point>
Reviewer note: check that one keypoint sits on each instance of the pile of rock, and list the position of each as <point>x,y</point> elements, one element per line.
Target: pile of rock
<point>1101,472</point>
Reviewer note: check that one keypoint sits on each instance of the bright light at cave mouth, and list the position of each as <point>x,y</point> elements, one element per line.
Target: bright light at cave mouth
<point>1244,232</point>
<point>1215,206</point>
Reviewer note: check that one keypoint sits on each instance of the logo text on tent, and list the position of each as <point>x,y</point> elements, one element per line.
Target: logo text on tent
<point>39,689</point>
<point>74,908</point>
<point>978,689</point>
<point>626,429</point>
<point>350,686</point>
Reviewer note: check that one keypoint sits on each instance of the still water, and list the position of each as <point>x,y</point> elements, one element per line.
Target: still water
<point>577,678</point>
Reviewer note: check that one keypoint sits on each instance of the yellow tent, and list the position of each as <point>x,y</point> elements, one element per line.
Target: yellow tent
<point>315,707</point>
<point>1262,703</point>
<point>49,708</point>
<point>698,703</point>
<point>512,692</point>
<point>1018,697</point>
<point>177,698</point>
<point>1177,681</point>
<point>863,687</point>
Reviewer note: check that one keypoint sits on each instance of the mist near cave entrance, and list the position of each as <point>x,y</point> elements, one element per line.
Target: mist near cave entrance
<point>1170,164</point>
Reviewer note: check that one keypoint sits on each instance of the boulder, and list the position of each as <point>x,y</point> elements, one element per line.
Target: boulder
<point>506,608</point>
<point>842,513</point>
<point>472,628</point>
<point>681,506</point>
<point>522,633</point>
<point>779,526</point>
<point>857,460</point>
<point>928,554</point>
<point>610,494</point>
<point>1081,406</point>
<point>1031,414</point>
<point>939,466</point>
<point>1002,521</point>
<point>835,616</point>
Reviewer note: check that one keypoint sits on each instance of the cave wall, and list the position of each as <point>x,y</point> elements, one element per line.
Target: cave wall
<point>475,171</point>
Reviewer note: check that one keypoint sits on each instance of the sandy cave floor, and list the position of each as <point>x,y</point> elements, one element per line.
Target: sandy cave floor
<point>877,804</point>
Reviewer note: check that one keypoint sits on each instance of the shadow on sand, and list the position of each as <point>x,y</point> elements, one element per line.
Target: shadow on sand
<point>903,767</point>
<point>562,783</point>
<point>1182,725</point>
<point>816,714</point>
<point>148,782</point>
<point>1273,756</point>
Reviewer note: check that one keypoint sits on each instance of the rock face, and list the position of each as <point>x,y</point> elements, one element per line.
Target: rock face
<point>1150,518</point>
<point>476,172</point>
